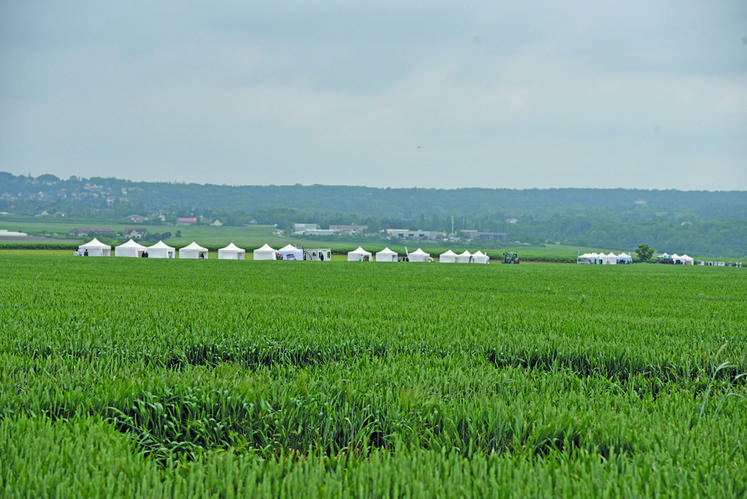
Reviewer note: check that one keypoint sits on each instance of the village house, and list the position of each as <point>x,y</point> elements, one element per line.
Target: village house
<point>135,232</point>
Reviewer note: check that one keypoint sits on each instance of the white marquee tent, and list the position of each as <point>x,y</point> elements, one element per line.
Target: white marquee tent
<point>193,250</point>
<point>601,258</point>
<point>129,249</point>
<point>588,258</point>
<point>95,248</point>
<point>682,259</point>
<point>161,250</point>
<point>610,259</point>
<point>465,257</point>
<point>419,256</point>
<point>480,257</point>
<point>386,255</point>
<point>447,257</point>
<point>290,252</point>
<point>231,252</point>
<point>359,255</point>
<point>265,253</point>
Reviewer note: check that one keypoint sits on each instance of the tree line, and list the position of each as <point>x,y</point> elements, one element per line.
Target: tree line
<point>699,222</point>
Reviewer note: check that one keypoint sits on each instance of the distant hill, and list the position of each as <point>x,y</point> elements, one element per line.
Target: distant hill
<point>668,219</point>
<point>383,202</point>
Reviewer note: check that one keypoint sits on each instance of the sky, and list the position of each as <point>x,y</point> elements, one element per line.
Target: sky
<point>647,94</point>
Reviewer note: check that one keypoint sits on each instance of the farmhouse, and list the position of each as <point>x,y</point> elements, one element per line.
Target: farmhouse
<point>87,231</point>
<point>345,230</point>
<point>485,236</point>
<point>413,234</point>
<point>135,232</point>
<point>9,233</point>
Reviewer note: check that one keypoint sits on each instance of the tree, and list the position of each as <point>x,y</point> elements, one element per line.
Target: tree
<point>644,252</point>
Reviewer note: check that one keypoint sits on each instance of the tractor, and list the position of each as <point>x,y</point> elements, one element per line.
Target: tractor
<point>511,257</point>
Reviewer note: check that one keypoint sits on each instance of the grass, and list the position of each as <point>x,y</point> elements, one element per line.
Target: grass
<point>254,236</point>
<point>316,379</point>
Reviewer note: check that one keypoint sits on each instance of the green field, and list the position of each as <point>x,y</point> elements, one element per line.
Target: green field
<point>253,236</point>
<point>147,377</point>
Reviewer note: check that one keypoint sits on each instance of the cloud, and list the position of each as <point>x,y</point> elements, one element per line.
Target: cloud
<point>499,94</point>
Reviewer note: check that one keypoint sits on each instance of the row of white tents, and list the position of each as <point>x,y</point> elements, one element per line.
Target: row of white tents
<point>266,252</point>
<point>601,258</point>
<point>387,255</point>
<point>677,259</point>
<point>159,250</point>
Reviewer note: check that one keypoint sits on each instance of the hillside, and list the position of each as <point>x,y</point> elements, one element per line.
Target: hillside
<point>700,222</point>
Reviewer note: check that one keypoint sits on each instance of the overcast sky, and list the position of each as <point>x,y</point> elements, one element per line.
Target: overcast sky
<point>432,93</point>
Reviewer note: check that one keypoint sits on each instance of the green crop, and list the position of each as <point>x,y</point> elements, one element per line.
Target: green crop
<point>169,377</point>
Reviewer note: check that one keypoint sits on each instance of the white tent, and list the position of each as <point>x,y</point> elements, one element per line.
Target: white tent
<point>386,255</point>
<point>465,257</point>
<point>585,258</point>
<point>480,257</point>
<point>447,257</point>
<point>682,260</point>
<point>161,250</point>
<point>625,258</point>
<point>193,250</point>
<point>265,253</point>
<point>95,248</point>
<point>610,259</point>
<point>231,252</point>
<point>130,249</point>
<point>419,256</point>
<point>359,255</point>
<point>290,252</point>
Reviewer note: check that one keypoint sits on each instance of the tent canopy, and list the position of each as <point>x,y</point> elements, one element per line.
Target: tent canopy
<point>480,257</point>
<point>386,255</point>
<point>464,257</point>
<point>447,256</point>
<point>130,249</point>
<point>193,250</point>
<point>95,243</point>
<point>231,252</point>
<point>161,245</point>
<point>95,248</point>
<point>419,256</point>
<point>194,246</point>
<point>290,252</point>
<point>359,255</point>
<point>265,253</point>
<point>161,250</point>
